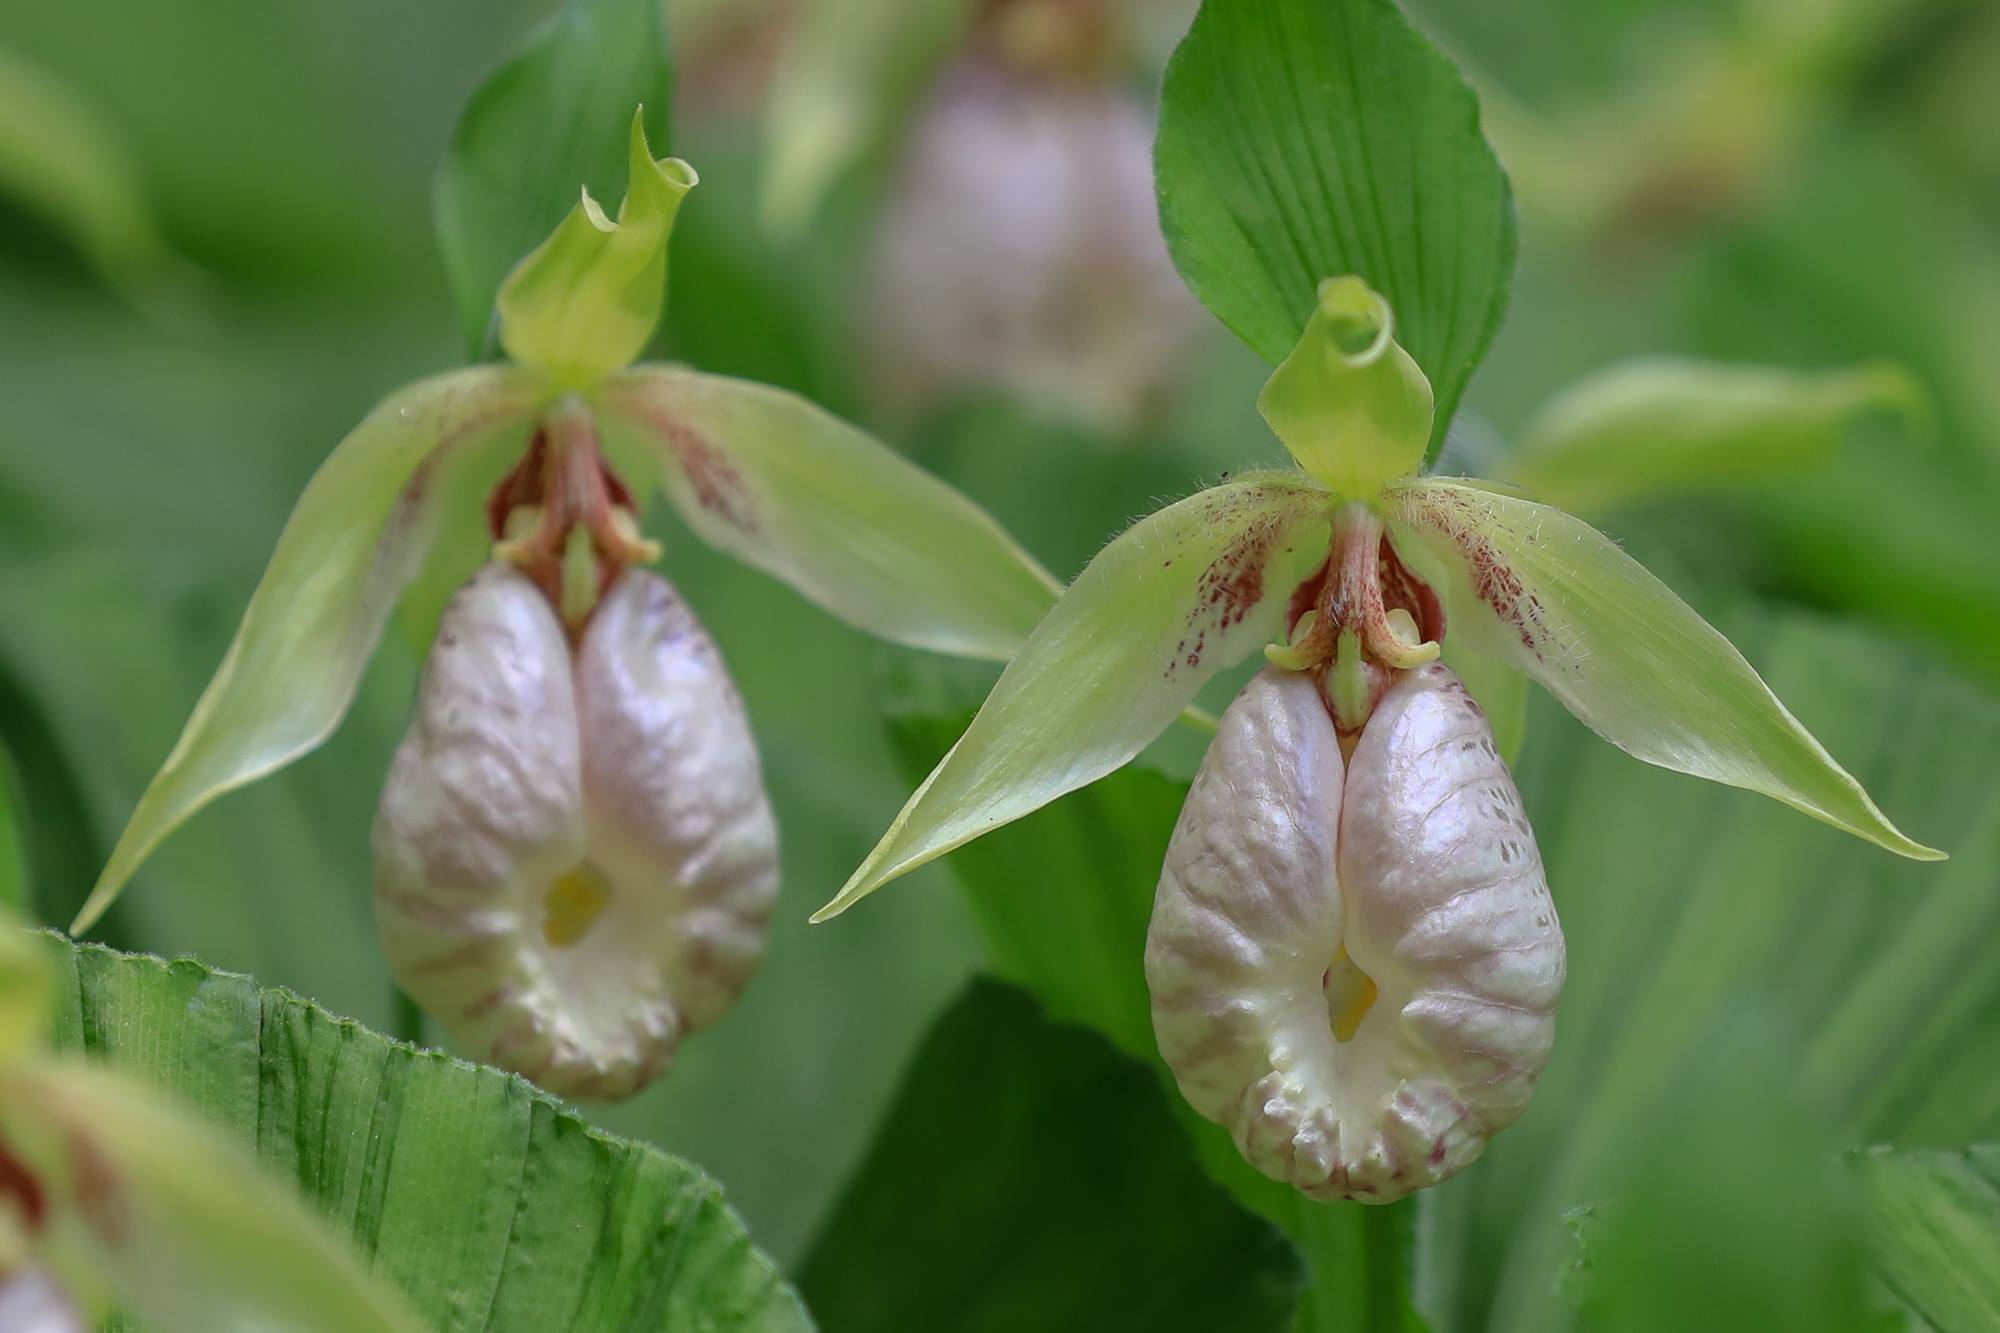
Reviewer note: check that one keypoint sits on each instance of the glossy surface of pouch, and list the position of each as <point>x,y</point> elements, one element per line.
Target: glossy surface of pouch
<point>575,859</point>
<point>1354,967</point>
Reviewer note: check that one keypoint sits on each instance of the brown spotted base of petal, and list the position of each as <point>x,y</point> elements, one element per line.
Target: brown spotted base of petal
<point>1354,966</point>
<point>575,857</point>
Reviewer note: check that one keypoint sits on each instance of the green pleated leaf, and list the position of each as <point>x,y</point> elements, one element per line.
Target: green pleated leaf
<point>1936,1233</point>
<point>1727,1208</point>
<point>487,1203</point>
<point>549,122</point>
<point>1553,597</point>
<point>790,489</point>
<point>1178,596</point>
<point>1028,1176</point>
<point>1660,425</point>
<point>1695,919</point>
<point>358,535</point>
<point>1062,899</point>
<point>1302,140</point>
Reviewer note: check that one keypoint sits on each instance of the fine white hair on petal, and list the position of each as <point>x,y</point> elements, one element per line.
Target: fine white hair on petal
<point>1293,879</point>
<point>623,775</point>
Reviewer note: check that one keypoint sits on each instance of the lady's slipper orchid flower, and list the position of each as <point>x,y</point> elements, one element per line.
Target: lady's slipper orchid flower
<point>545,456</point>
<point>1342,558</point>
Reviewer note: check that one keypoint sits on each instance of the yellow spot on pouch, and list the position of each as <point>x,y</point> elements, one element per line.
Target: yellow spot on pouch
<point>573,904</point>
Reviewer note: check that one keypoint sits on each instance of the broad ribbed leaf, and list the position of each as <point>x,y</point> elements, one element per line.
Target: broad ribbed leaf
<point>1036,1154</point>
<point>1936,1233</point>
<point>1302,140</point>
<point>151,1207</point>
<point>1696,920</point>
<point>1180,595</point>
<point>1555,598</point>
<point>548,122</point>
<point>786,487</point>
<point>485,1201</point>
<point>1658,426</point>
<point>357,536</point>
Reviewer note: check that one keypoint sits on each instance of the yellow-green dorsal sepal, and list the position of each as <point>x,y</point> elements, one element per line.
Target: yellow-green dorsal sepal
<point>584,303</point>
<point>1349,403</point>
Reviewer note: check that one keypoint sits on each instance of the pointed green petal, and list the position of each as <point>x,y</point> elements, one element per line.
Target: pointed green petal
<point>1554,597</point>
<point>1179,596</point>
<point>1661,425</point>
<point>1348,402</point>
<point>178,1223</point>
<point>357,536</point>
<point>585,302</point>
<point>796,492</point>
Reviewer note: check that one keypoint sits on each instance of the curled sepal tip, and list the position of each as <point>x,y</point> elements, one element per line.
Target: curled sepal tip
<point>1179,596</point>
<point>584,302</point>
<point>790,489</point>
<point>356,538</point>
<point>1553,597</point>
<point>1349,403</point>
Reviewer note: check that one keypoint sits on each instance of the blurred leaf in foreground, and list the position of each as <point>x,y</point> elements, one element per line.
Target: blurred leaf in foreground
<point>484,1200</point>
<point>1936,1235</point>
<point>1030,1177</point>
<point>113,1196</point>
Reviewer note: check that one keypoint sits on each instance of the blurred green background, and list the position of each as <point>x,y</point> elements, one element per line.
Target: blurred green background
<point>1807,183</point>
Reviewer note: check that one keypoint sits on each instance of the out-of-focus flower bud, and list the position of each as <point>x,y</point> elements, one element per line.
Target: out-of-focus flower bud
<point>1019,250</point>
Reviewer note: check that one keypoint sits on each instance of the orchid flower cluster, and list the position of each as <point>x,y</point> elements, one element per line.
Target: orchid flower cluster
<point>1355,957</point>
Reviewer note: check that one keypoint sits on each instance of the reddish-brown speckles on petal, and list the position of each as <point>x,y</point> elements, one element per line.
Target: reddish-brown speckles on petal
<point>19,1187</point>
<point>1493,580</point>
<point>718,484</point>
<point>1232,585</point>
<point>99,1197</point>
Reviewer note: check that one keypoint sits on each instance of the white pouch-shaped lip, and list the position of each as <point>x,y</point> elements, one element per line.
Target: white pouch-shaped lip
<point>575,858</point>
<point>1354,966</point>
